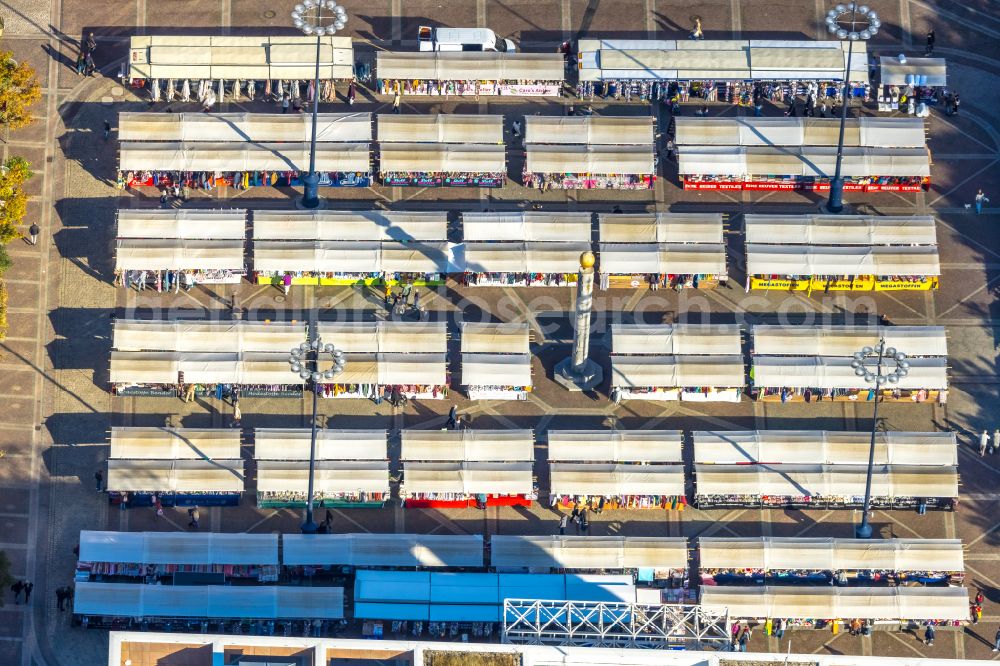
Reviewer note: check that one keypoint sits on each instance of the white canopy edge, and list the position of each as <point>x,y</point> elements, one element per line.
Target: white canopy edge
<point>496,369</point>
<point>827,372</point>
<point>920,260</point>
<point>664,258</point>
<point>797,132</point>
<point>620,446</point>
<point>214,156</point>
<point>192,476</point>
<point>184,335</point>
<point>386,336</point>
<point>718,371</point>
<point>340,225</point>
<point>846,340</point>
<point>804,161</point>
<point>182,223</point>
<point>440,128</point>
<point>470,66</point>
<point>661,228</point>
<point>468,478</point>
<point>442,158</point>
<point>354,256</point>
<point>145,254</point>
<point>818,229</point>
<point>354,127</point>
<point>370,476</point>
<point>588,159</point>
<point>383,550</point>
<point>331,444</point>
<point>523,257</point>
<point>178,548</point>
<point>175,443</point>
<point>600,479</point>
<point>588,552</point>
<point>676,339</point>
<point>526,226</point>
<point>590,130</point>
<point>495,338</point>
<point>467,445</point>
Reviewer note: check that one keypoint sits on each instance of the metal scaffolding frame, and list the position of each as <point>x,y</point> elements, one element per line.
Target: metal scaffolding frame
<point>613,624</point>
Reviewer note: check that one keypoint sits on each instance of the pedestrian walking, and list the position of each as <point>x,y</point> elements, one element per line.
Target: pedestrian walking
<point>98,480</point>
<point>91,44</point>
<point>574,515</point>
<point>237,414</point>
<point>452,417</point>
<point>91,65</point>
<point>195,515</point>
<point>929,635</point>
<point>984,440</point>
<point>744,639</point>
<point>33,232</point>
<point>61,597</point>
<point>778,628</point>
<point>123,504</point>
<point>328,520</point>
<point>515,129</point>
<point>996,641</point>
<point>189,394</point>
<point>671,149</point>
<point>157,506</point>
<point>995,444</point>
<point>407,290</point>
<point>697,32</point>
<point>28,587</point>
<point>981,200</point>
<point>388,293</point>
<point>352,92</point>
<point>286,283</point>
<point>931,38</point>
<point>284,103</point>
<point>17,588</point>
<point>416,300</point>
<point>562,524</point>
<point>81,64</point>
<point>396,99</point>
<point>107,129</point>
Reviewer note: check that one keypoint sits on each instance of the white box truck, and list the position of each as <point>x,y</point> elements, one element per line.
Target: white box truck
<point>462,39</point>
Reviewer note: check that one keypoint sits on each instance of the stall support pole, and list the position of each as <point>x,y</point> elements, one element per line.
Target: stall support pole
<point>835,204</point>
<point>864,530</point>
<point>310,192</point>
<point>308,524</point>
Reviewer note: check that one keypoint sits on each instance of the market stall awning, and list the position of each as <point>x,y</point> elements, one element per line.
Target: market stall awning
<point>178,548</point>
<point>470,66</point>
<point>440,128</point>
<point>524,257</point>
<point>818,229</point>
<point>930,72</point>
<point>383,550</point>
<point>586,159</point>
<point>145,367</point>
<point>387,336</point>
<point>526,226</point>
<point>591,130</point>
<point>184,335</point>
<point>824,446</point>
<point>824,372</point>
<point>182,223</point>
<point>442,158</point>
<point>410,369</point>
<point>648,446</point>
<point>154,254</point>
<point>666,258</point>
<point>796,132</point>
<point>244,127</point>
<point>190,476</point>
<point>496,370</point>
<point>608,480</point>
<point>352,256</point>
<point>807,162</point>
<point>468,445</point>
<point>660,228</point>
<point>213,156</point>
<point>414,257</point>
<point>846,340</point>
<point>832,260</point>
<point>679,339</point>
<point>472,478</point>
<point>175,443</point>
<point>588,552</point>
<point>339,225</point>
<point>331,444</point>
<point>497,338</point>
<point>677,371</point>
<point>281,476</point>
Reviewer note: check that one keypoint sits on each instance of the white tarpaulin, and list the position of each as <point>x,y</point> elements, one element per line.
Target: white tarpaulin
<point>440,128</point>
<point>842,260</point>
<point>588,552</point>
<point>182,223</point>
<point>806,162</point>
<point>929,72</point>
<point>331,444</point>
<point>589,159</point>
<point>212,156</point>
<point>175,443</point>
<point>178,548</point>
<point>846,340</point>
<point>352,256</point>
<point>183,335</point>
<point>171,254</point>
<point>829,481</point>
<point>470,478</point>
<point>526,226</point>
<point>244,127</point>
<point>496,370</point>
<point>676,339</point>
<point>190,476</point>
<point>387,336</point>
<point>383,550</point>
<point>442,158</point>
<point>677,371</point>
<point>818,229</point>
<point>468,445</point>
<point>620,446</point>
<point>670,259</point>
<point>661,228</point>
<point>793,132</point>
<point>528,257</point>
<point>470,66</point>
<point>495,338</point>
<point>340,225</point>
<point>599,479</point>
<point>591,130</point>
<point>283,476</point>
<point>828,372</point>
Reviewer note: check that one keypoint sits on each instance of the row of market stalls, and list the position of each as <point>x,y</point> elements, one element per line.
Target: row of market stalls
<point>880,154</point>
<point>841,253</point>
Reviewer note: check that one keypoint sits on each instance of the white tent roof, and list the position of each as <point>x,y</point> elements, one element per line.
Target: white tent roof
<point>825,447</point>
<point>330,476</point>
<point>526,226</point>
<point>175,443</point>
<point>386,336</point>
<point>186,476</point>
<point>146,367</point>
<point>917,71</point>
<point>496,370</point>
<point>179,548</point>
<point>660,228</point>
<point>679,339</point>
<point>206,336</point>
<point>657,446</point>
<point>591,130</point>
<point>818,229</point>
<point>670,258</point>
<point>792,131</point>
<point>442,158</point>
<point>470,66</point>
<point>841,260</point>
<point>588,159</point>
<point>383,550</point>
<point>244,127</point>
<point>213,156</point>
<point>588,552</point>
<point>720,371</point>
<point>807,161</point>
<point>144,254</point>
<point>825,372</point>
<point>137,600</point>
<point>440,128</point>
<point>352,256</point>
<point>340,225</point>
<point>468,445</point>
<point>827,554</point>
<point>335,444</point>
<point>182,223</point>
<point>468,478</point>
<point>609,479</point>
<point>524,257</point>
<point>846,340</point>
<point>495,338</point>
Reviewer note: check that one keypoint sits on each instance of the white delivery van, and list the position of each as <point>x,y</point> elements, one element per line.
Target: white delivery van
<point>462,39</point>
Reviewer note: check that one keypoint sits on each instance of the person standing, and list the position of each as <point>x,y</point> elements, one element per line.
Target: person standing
<point>563,522</point>
<point>157,506</point>
<point>929,635</point>
<point>237,414</point>
<point>107,129</point>
<point>61,597</point>
<point>396,99</point>
<point>984,440</point>
<point>452,417</point>
<point>931,38</point>
<point>195,517</point>
<point>98,480</point>
<point>697,32</point>
<point>189,394</point>
<point>286,283</point>
<point>81,64</point>
<point>284,103</point>
<point>28,587</point>
<point>981,200</point>
<point>352,92</point>
<point>407,290</point>
<point>33,232</point>
<point>91,44</point>
<point>996,642</point>
<point>416,300</point>
<point>123,504</point>
<point>17,588</point>
<point>388,293</point>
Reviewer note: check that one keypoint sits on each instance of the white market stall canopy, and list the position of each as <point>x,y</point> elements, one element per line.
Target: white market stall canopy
<point>175,443</point>
<point>526,226</point>
<point>146,367</point>
<point>263,602</point>
<point>600,160</point>
<point>244,127</point>
<point>470,66</point>
<point>846,340</point>
<point>386,336</point>
<point>818,229</point>
<point>676,339</point>
<point>677,371</point>
<point>383,550</point>
<point>590,130</point>
<point>390,369</point>
<point>893,481</point>
<point>182,223</point>
<point>930,72</point>
<point>282,476</point>
<point>792,131</point>
<point>213,156</point>
<point>353,256</point>
<point>805,162</point>
<point>442,158</point>
<point>827,554</point>
<point>620,446</point>
<point>524,257</point>
<point>342,225</point>
<point>588,552</point>
<point>609,480</point>
<point>178,548</point>
<point>666,258</point>
<point>824,447</point>
<point>495,338</point>
<point>496,370</point>
<point>468,445</point>
<point>865,603</point>
<point>828,372</point>
<point>184,335</point>
<point>331,444</point>
<point>183,476</point>
<point>661,228</point>
<point>440,128</point>
<point>842,260</point>
<point>243,57</point>
<point>719,60</point>
<point>468,478</point>
<point>172,254</point>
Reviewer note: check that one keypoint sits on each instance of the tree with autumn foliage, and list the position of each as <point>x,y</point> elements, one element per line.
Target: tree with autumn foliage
<point>13,200</point>
<point>19,89</point>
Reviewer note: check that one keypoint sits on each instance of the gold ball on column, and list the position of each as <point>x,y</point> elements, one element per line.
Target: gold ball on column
<point>587,259</point>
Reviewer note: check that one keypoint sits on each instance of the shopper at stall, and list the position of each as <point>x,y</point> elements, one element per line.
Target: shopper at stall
<point>396,99</point>
<point>195,517</point>
<point>562,524</point>
<point>452,417</point>
<point>984,440</point>
<point>981,199</point>
<point>697,32</point>
<point>996,642</point>
<point>929,635</point>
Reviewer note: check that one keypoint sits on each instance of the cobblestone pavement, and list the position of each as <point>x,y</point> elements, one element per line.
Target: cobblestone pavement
<point>53,430</point>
